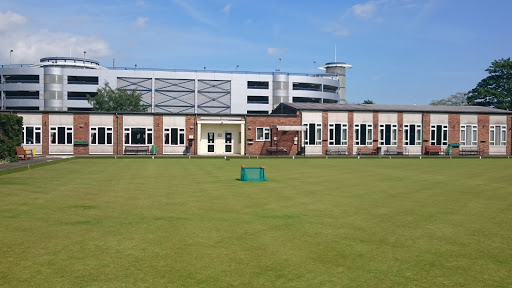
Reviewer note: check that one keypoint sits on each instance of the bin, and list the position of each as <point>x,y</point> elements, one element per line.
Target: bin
<point>379,150</point>
<point>154,149</point>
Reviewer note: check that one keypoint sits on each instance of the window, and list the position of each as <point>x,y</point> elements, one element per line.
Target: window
<point>498,135</point>
<point>307,86</point>
<point>469,135</point>
<point>306,100</point>
<point>257,84</point>
<point>257,112</point>
<point>101,135</point>
<point>138,136</point>
<point>81,95</point>
<point>174,136</point>
<point>388,134</point>
<point>31,134</point>
<point>21,94</point>
<point>313,134</point>
<point>412,134</point>
<point>363,134</point>
<point>86,80</point>
<point>331,89</point>
<point>61,135</point>
<point>262,134</point>
<point>338,134</point>
<point>439,135</point>
<point>21,78</point>
<point>257,99</point>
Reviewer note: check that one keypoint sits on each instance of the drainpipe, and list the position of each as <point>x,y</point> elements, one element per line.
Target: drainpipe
<point>117,142</point>
<point>196,136</point>
<point>245,136</point>
<point>422,133</point>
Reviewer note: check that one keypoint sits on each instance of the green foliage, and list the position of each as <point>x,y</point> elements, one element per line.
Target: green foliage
<point>496,89</point>
<point>458,99</point>
<point>118,100</point>
<point>368,101</point>
<point>11,131</point>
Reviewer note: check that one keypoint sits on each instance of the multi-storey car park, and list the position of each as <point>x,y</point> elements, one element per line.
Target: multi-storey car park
<point>63,84</point>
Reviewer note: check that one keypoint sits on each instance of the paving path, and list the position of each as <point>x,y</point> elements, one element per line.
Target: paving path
<point>36,160</point>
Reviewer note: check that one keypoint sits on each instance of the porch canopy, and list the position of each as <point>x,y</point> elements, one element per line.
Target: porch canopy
<point>288,128</point>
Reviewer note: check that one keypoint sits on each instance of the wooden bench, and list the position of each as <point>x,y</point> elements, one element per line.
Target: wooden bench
<point>470,151</point>
<point>366,150</point>
<point>277,150</point>
<point>396,151</point>
<point>135,150</point>
<point>343,150</point>
<point>435,150</point>
<point>22,154</point>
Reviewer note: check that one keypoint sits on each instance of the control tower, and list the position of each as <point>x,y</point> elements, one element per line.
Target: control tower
<point>339,70</point>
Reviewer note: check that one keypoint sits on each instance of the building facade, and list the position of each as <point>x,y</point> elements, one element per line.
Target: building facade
<point>63,84</point>
<point>292,129</point>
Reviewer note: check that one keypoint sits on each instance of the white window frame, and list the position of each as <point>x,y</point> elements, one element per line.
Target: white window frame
<point>94,131</point>
<point>433,140</point>
<point>343,130</point>
<point>418,134</point>
<point>54,135</point>
<point>499,138</point>
<point>36,132</point>
<point>148,135</point>
<point>369,134</point>
<point>262,134</point>
<point>394,134</point>
<point>168,136</point>
<point>318,134</point>
<point>464,132</point>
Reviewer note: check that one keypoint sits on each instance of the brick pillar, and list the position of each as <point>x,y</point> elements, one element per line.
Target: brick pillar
<point>118,134</point>
<point>350,127</point>
<point>81,133</point>
<point>426,131</point>
<point>454,131</point>
<point>400,123</point>
<point>158,133</point>
<point>325,131</point>
<point>375,130</point>
<point>190,130</point>
<point>483,133</point>
<point>45,130</point>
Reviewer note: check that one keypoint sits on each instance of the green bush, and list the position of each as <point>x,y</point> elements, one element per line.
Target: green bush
<point>11,130</point>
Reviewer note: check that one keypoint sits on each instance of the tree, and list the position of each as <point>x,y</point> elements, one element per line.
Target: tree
<point>118,100</point>
<point>458,99</point>
<point>11,131</point>
<point>368,101</point>
<point>496,89</point>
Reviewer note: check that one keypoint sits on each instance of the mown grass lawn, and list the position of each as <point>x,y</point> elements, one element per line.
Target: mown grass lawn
<point>315,223</point>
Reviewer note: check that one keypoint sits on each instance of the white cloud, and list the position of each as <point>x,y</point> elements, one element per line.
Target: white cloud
<point>366,10</point>
<point>337,29</point>
<point>193,12</point>
<point>275,51</point>
<point>29,46</point>
<point>227,9</point>
<point>141,3</point>
<point>141,22</point>
<point>10,19</point>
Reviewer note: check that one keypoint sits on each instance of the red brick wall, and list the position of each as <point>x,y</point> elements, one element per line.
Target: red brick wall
<point>483,133</point>
<point>190,122</point>
<point>426,131</point>
<point>350,128</point>
<point>158,133</point>
<point>118,134</point>
<point>81,133</point>
<point>285,138</point>
<point>325,131</point>
<point>45,130</point>
<point>375,130</point>
<point>400,123</point>
<point>454,131</point>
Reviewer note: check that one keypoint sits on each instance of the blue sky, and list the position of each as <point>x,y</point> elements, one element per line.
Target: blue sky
<point>402,51</point>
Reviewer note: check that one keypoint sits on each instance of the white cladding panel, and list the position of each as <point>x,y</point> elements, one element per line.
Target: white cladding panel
<point>32,119</point>
<point>338,117</point>
<point>468,119</point>
<point>60,119</point>
<point>498,120</point>
<point>101,120</point>
<point>174,121</point>
<point>388,118</point>
<point>311,117</point>
<point>137,121</point>
<point>363,117</point>
<point>438,119</point>
<point>412,118</point>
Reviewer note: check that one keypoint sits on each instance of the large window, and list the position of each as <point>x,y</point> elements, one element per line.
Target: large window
<point>307,86</point>
<point>363,134</point>
<point>85,80</point>
<point>338,134</point>
<point>257,99</point>
<point>439,135</point>
<point>31,135</point>
<point>412,134</point>
<point>21,78</point>
<point>469,135</point>
<point>61,135</point>
<point>257,84</point>
<point>388,134</point>
<point>262,134</point>
<point>101,135</point>
<point>138,136</point>
<point>498,135</point>
<point>174,136</point>
<point>313,134</point>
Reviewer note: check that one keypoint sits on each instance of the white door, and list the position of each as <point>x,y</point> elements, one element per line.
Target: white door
<point>211,142</point>
<point>228,142</point>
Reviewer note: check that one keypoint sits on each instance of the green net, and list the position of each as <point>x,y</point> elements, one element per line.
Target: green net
<point>252,174</point>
